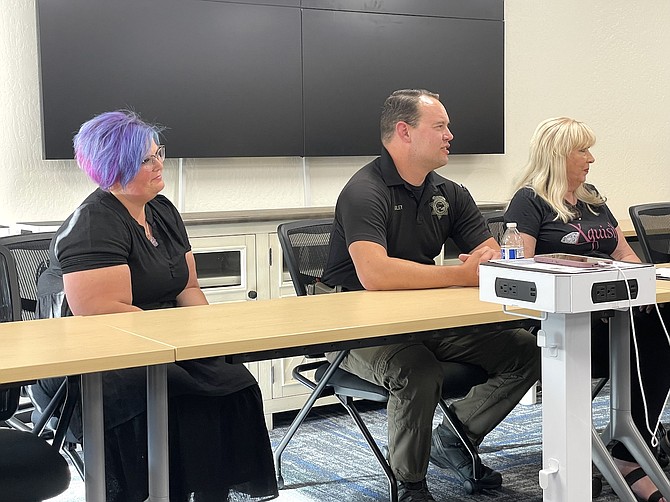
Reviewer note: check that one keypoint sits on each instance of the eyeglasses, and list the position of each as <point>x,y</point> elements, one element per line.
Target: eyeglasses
<point>151,160</point>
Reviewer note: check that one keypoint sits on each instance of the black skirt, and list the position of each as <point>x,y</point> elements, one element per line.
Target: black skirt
<point>234,455</point>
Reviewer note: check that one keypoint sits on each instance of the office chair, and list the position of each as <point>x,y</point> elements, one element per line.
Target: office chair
<point>305,248</point>
<point>652,226</point>
<point>30,469</point>
<point>25,257</point>
<point>30,257</point>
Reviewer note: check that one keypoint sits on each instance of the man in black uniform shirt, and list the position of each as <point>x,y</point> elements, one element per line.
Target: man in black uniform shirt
<point>391,221</point>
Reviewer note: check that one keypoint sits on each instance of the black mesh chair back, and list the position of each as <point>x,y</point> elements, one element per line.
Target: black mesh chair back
<point>9,310</point>
<point>652,226</point>
<point>30,253</point>
<point>496,223</point>
<point>23,258</point>
<point>305,247</point>
<point>34,470</point>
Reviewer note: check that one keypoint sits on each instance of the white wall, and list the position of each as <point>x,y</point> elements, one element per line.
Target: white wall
<point>600,61</point>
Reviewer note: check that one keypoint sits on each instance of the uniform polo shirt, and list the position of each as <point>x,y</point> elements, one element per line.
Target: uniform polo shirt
<point>377,205</point>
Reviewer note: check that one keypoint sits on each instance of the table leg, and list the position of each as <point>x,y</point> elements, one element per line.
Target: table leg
<point>605,464</point>
<point>157,433</point>
<point>622,426</point>
<point>566,407</point>
<point>94,437</point>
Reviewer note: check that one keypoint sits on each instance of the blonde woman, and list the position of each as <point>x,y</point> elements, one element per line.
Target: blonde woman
<point>556,211</point>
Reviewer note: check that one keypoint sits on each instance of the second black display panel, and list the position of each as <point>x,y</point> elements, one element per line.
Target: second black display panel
<point>353,60</point>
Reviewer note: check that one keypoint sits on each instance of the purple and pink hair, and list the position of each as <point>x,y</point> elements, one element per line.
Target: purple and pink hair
<point>111,146</point>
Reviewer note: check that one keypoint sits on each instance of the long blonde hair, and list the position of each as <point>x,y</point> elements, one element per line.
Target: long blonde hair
<point>546,171</point>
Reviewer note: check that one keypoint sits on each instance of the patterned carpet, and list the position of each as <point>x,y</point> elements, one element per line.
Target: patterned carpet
<point>328,460</point>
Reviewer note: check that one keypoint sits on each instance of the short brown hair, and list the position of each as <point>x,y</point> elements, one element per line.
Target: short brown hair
<point>401,105</point>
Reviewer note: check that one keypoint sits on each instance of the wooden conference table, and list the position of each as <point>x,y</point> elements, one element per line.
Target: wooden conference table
<point>290,326</point>
<point>251,330</point>
<point>300,325</point>
<point>300,322</point>
<point>77,345</point>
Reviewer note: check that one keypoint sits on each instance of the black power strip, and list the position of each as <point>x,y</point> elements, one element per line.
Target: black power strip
<point>517,290</point>
<point>612,291</point>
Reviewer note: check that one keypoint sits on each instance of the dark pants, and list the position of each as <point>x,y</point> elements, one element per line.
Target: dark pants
<point>413,376</point>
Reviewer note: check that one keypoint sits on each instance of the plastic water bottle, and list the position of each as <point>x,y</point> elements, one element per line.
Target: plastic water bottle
<point>511,247</point>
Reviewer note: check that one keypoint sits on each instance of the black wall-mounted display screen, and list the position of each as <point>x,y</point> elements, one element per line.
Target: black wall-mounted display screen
<point>272,78</point>
<point>345,87</point>
<point>224,78</point>
<point>465,9</point>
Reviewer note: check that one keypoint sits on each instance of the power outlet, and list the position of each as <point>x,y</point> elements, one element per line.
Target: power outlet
<point>613,291</point>
<point>610,292</point>
<point>517,290</point>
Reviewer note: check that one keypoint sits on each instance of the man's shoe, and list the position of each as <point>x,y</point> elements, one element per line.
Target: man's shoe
<point>448,452</point>
<point>414,492</point>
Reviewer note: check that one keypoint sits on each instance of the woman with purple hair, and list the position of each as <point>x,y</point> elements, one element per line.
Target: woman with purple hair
<point>123,249</point>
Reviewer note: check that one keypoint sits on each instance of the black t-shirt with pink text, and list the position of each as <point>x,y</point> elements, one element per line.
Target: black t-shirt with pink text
<point>589,234</point>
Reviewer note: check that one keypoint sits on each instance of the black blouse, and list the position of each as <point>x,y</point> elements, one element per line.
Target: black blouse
<point>101,233</point>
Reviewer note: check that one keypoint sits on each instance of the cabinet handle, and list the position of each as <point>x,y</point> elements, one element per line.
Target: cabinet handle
<point>252,295</point>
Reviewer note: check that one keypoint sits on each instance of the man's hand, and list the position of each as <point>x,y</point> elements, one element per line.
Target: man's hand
<point>470,265</point>
<point>495,255</point>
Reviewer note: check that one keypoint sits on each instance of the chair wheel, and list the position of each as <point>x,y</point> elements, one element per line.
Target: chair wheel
<point>596,486</point>
<point>470,486</point>
<point>280,482</point>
